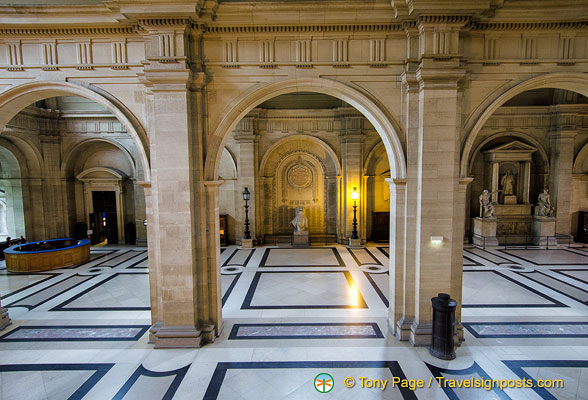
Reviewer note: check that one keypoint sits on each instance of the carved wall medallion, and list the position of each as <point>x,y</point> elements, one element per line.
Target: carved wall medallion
<point>299,176</point>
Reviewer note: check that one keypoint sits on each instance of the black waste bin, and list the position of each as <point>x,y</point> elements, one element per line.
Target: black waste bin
<point>443,327</point>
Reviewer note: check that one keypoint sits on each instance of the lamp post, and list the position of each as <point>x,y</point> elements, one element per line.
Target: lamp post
<point>246,197</point>
<point>354,197</point>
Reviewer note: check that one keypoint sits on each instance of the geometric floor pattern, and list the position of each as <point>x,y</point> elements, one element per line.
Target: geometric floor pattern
<point>293,315</point>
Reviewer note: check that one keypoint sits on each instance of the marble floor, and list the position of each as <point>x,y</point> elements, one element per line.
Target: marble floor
<point>298,324</point>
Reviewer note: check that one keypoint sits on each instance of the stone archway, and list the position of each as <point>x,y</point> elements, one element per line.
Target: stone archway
<point>575,82</point>
<point>13,100</point>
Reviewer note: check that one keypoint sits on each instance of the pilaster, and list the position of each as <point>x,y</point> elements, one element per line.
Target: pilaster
<point>561,144</point>
<point>397,253</point>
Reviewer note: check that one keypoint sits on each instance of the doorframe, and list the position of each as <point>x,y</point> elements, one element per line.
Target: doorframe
<point>104,184</point>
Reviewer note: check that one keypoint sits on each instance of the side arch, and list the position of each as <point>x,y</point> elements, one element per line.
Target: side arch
<point>13,100</point>
<point>575,82</point>
<point>382,121</point>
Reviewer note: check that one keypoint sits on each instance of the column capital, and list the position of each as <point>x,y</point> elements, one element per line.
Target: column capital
<point>439,78</point>
<point>562,134</point>
<point>396,181</point>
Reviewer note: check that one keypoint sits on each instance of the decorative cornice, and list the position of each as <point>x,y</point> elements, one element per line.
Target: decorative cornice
<point>527,26</point>
<point>304,28</point>
<point>68,31</point>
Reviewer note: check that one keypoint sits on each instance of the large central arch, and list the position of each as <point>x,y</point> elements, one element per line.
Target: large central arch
<point>378,116</point>
<point>575,82</point>
<point>15,99</point>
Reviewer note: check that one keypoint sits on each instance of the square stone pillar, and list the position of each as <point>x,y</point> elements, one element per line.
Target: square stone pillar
<point>561,144</point>
<point>438,194</point>
<point>178,199</point>
<point>210,279</point>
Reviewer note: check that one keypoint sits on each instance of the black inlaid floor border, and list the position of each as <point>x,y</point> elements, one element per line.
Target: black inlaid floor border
<point>563,272</point>
<point>31,306</point>
<point>179,373</point>
<point>100,371</point>
<point>506,260</point>
<point>143,328</point>
<point>231,287</point>
<point>474,263</point>
<point>228,261</point>
<point>253,287</point>
<point>49,276</point>
<point>376,261</point>
<point>234,335</point>
<point>267,251</point>
<point>60,307</point>
<point>134,265</point>
<point>527,276</point>
<point>384,252</point>
<point>517,366</point>
<point>221,369</point>
<point>505,251</point>
<point>468,326</point>
<point>556,303</point>
<point>377,288</point>
<point>473,369</point>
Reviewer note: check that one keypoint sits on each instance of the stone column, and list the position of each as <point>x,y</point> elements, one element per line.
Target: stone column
<point>248,140</point>
<point>526,181</point>
<point>178,201</point>
<point>53,187</point>
<point>4,318</point>
<point>211,283</point>
<point>438,194</point>
<point>411,123</point>
<point>397,251</point>
<point>495,176</point>
<point>351,139</point>
<point>561,145</point>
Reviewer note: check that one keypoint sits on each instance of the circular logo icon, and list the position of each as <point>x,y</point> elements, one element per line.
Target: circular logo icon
<point>324,383</point>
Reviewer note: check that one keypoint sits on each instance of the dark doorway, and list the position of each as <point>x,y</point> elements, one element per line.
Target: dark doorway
<point>103,221</point>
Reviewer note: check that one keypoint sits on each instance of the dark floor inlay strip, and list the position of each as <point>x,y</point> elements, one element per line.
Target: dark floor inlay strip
<point>360,330</point>
<point>332,367</point>
<point>82,390</point>
<point>75,333</point>
<point>486,330</point>
<point>177,374</point>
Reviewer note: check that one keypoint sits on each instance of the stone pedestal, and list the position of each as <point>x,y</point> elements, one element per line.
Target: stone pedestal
<point>510,199</point>
<point>484,231</point>
<point>301,239</point>
<point>544,231</point>
<point>247,243</point>
<point>354,243</point>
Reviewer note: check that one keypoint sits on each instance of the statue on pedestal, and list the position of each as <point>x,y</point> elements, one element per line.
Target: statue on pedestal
<point>544,207</point>
<point>486,205</point>
<point>507,182</point>
<point>300,221</point>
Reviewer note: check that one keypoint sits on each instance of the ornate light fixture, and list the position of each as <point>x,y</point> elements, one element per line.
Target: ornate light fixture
<point>354,197</point>
<point>246,197</point>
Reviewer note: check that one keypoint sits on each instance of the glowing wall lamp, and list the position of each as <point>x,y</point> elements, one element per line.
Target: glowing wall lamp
<point>354,197</point>
<point>436,239</point>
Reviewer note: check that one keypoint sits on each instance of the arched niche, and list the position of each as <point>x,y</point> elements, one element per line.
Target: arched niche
<point>299,170</point>
<point>98,165</point>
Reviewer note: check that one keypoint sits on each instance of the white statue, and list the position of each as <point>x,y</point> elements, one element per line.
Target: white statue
<point>507,183</point>
<point>486,205</point>
<point>545,209</point>
<point>300,221</point>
